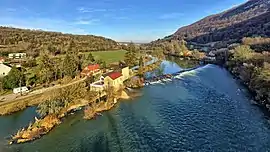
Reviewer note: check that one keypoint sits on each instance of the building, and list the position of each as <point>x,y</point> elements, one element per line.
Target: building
<point>91,70</point>
<point>114,79</point>
<point>126,73</point>
<point>2,59</point>
<point>17,55</point>
<point>4,70</point>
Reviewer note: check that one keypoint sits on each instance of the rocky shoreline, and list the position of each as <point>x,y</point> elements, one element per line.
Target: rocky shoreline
<point>239,72</point>
<point>91,109</point>
<point>43,126</point>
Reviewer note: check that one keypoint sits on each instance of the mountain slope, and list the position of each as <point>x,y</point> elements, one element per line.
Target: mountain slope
<point>249,19</point>
<point>35,41</point>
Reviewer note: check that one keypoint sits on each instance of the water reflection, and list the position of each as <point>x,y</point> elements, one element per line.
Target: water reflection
<point>183,63</point>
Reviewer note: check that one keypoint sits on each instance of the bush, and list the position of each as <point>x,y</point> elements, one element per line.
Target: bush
<point>242,53</point>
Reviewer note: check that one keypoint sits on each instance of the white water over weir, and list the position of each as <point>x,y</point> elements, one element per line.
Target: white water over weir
<point>169,77</point>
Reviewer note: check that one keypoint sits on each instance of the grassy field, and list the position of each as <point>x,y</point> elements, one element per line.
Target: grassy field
<point>110,56</point>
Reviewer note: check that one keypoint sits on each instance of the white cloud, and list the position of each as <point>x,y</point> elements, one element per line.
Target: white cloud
<point>170,15</point>
<point>90,10</point>
<point>87,22</point>
<point>120,17</point>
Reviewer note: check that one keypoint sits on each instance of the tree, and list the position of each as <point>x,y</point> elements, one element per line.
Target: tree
<point>52,49</point>
<point>53,106</point>
<point>12,80</point>
<point>132,47</point>
<point>89,59</point>
<point>130,58</point>
<point>183,46</point>
<point>69,66</point>
<point>242,53</point>
<point>102,63</point>
<point>141,63</point>
<point>45,68</point>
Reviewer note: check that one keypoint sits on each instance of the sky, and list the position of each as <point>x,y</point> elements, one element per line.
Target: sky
<point>121,20</point>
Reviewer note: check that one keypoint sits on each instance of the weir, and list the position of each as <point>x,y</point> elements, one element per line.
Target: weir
<point>167,77</point>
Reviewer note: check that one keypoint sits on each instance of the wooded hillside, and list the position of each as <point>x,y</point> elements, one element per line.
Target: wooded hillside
<point>247,20</point>
<point>34,41</point>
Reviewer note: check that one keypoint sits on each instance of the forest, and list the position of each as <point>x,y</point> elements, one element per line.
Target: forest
<point>250,19</point>
<point>33,42</point>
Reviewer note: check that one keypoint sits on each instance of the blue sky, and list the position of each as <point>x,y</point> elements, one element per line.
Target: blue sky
<point>121,20</point>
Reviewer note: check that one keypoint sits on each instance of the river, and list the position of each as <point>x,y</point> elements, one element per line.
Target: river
<point>203,110</point>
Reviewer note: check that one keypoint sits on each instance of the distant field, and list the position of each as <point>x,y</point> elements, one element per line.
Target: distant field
<point>110,56</point>
<point>107,56</point>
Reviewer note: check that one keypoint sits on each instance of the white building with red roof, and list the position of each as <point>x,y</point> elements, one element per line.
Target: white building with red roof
<point>114,79</point>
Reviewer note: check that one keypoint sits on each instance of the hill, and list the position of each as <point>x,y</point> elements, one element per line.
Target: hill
<point>35,41</point>
<point>247,20</point>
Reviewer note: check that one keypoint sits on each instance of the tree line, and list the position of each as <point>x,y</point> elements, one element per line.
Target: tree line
<point>253,68</point>
<point>33,42</point>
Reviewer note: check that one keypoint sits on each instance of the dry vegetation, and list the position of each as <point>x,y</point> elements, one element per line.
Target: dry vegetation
<point>249,19</point>
<point>254,70</point>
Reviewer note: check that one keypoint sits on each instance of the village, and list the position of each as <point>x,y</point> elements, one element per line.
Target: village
<point>96,88</point>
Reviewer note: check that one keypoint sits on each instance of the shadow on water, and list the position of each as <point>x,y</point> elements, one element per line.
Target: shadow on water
<point>114,130</point>
<point>144,133</point>
<point>100,144</point>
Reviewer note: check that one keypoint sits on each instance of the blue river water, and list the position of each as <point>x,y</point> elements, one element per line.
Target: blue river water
<point>202,110</point>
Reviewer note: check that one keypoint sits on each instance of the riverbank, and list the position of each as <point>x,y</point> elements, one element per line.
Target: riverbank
<point>207,101</point>
<point>43,126</point>
<point>253,70</point>
<point>258,87</point>
<point>68,100</point>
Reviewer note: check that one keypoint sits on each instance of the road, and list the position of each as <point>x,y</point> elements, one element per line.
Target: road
<point>14,97</point>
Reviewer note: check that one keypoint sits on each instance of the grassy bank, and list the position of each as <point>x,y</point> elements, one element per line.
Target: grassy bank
<point>109,56</point>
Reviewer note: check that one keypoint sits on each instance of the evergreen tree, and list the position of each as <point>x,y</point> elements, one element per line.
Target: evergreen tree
<point>45,68</point>
<point>69,66</point>
<point>12,80</point>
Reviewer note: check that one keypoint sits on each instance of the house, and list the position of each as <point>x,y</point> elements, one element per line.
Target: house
<point>17,55</point>
<point>91,70</point>
<point>2,59</point>
<point>4,70</point>
<point>114,79</point>
<point>125,73</point>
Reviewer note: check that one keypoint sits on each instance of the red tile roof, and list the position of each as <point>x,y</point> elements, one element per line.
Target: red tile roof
<point>93,67</point>
<point>114,75</point>
<point>90,69</point>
